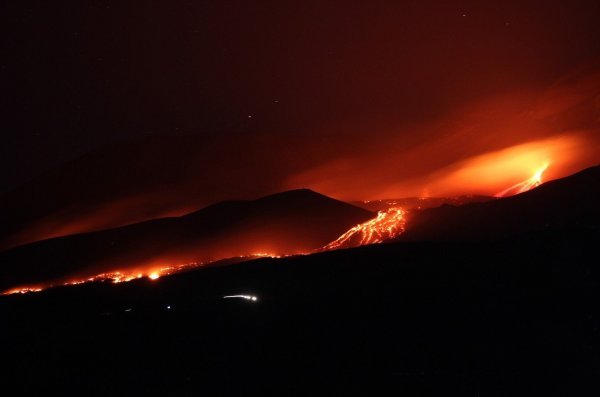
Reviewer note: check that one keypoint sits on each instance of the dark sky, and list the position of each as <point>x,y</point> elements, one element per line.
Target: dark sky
<point>77,75</point>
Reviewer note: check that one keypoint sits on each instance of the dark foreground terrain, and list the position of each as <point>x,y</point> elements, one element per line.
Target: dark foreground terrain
<point>514,317</point>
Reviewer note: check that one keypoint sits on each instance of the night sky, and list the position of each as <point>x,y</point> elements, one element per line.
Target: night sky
<point>355,79</point>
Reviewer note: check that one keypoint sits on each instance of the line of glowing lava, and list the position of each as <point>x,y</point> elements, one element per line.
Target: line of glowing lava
<point>112,277</point>
<point>121,276</point>
<point>526,185</point>
<point>385,226</point>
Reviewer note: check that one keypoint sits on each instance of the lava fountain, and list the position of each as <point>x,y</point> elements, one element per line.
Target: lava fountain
<point>525,185</point>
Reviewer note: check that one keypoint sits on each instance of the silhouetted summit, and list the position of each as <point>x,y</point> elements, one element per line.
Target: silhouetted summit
<point>143,179</point>
<point>297,221</point>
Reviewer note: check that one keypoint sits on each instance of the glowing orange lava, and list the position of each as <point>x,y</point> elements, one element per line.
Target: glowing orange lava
<point>121,276</point>
<point>527,184</point>
<point>387,225</point>
<point>112,277</point>
<point>23,290</point>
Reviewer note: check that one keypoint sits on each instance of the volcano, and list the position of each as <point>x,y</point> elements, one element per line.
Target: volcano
<point>570,202</point>
<point>292,222</point>
<point>142,179</point>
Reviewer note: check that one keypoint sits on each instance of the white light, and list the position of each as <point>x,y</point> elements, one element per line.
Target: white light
<point>247,297</point>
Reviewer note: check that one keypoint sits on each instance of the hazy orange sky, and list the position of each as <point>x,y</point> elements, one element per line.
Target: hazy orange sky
<point>115,113</point>
<point>480,148</point>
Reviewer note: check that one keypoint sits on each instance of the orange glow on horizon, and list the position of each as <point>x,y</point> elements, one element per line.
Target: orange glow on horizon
<point>520,167</point>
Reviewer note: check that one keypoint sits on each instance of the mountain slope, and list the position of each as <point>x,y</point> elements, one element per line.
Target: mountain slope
<point>292,222</point>
<point>507,315</point>
<point>143,179</point>
<point>568,202</point>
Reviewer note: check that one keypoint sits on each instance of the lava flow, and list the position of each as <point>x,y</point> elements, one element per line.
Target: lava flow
<point>387,225</point>
<point>527,184</point>
<point>112,277</point>
<point>118,276</point>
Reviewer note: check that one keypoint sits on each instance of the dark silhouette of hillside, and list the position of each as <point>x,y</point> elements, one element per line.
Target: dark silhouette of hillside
<point>292,222</point>
<point>508,311</point>
<point>511,317</point>
<point>568,202</point>
<point>143,179</point>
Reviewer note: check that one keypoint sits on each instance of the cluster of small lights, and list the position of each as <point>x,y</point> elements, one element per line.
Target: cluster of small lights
<point>263,255</point>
